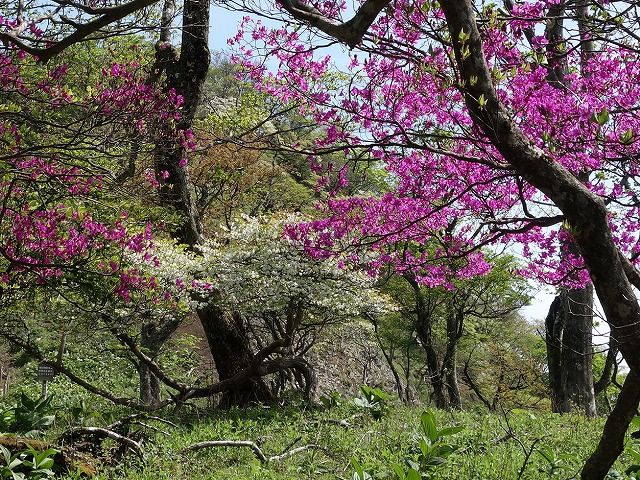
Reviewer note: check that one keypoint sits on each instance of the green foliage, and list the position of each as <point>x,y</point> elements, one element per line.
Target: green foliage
<point>82,414</point>
<point>29,418</point>
<point>434,448</point>
<point>333,399</point>
<point>556,464</point>
<point>632,450</point>
<point>360,473</point>
<point>480,451</point>
<point>374,400</point>
<point>28,463</point>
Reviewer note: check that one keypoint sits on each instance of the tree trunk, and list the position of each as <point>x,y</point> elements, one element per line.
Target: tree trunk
<point>569,351</point>
<point>231,353</point>
<point>152,337</point>
<point>612,440</point>
<point>150,392</point>
<point>185,73</point>
<point>435,376</point>
<point>449,364</point>
<point>423,326</point>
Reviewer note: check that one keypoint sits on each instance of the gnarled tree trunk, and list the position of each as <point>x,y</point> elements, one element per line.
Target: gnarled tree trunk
<point>185,72</point>
<point>231,351</point>
<point>570,352</point>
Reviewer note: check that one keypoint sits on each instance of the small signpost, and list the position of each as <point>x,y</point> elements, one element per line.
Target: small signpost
<point>45,373</point>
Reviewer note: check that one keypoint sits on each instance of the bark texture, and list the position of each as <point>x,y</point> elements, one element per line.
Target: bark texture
<point>232,353</point>
<point>612,440</point>
<point>569,352</point>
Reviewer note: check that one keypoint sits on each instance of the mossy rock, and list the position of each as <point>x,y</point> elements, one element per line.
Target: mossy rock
<point>66,460</point>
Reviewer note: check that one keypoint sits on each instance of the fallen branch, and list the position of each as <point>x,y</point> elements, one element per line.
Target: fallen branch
<point>135,419</point>
<point>296,450</point>
<point>79,432</point>
<point>345,421</point>
<point>252,445</point>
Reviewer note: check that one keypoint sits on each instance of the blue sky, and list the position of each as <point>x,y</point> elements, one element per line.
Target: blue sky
<point>224,24</point>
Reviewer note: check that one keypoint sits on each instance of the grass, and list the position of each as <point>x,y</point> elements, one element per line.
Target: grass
<point>512,445</point>
<point>518,444</point>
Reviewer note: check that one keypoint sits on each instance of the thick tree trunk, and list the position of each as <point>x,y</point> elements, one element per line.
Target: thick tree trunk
<point>232,353</point>
<point>569,351</point>
<point>150,392</point>
<point>612,440</point>
<point>185,73</point>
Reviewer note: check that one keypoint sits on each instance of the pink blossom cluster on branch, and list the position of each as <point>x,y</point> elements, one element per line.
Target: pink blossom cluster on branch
<point>56,173</point>
<point>401,103</point>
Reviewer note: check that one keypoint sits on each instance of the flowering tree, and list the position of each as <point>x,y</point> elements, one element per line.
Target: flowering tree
<point>271,290</point>
<point>457,101</point>
<point>58,156</point>
<point>142,311</point>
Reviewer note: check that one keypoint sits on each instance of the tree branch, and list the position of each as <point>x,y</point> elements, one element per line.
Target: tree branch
<point>350,32</point>
<point>102,433</point>
<point>252,445</point>
<point>107,17</point>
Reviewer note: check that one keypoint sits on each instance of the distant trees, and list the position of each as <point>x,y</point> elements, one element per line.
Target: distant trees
<point>443,321</point>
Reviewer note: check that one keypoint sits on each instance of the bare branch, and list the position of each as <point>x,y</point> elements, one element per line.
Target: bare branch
<point>82,31</point>
<point>248,443</point>
<point>350,32</point>
<point>102,433</point>
<point>630,271</point>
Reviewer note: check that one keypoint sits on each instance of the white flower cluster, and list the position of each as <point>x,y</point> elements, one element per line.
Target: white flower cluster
<point>254,270</point>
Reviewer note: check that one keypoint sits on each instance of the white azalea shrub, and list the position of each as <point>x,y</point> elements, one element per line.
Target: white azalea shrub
<point>252,269</point>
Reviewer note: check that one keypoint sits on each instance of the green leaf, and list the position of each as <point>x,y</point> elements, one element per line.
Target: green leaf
<point>399,471</point>
<point>5,453</point>
<point>448,431</point>
<point>428,422</point>
<point>413,475</point>
<point>601,117</point>
<point>627,138</point>
<point>359,474</point>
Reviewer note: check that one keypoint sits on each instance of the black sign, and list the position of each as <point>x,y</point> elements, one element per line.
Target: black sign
<point>46,372</point>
